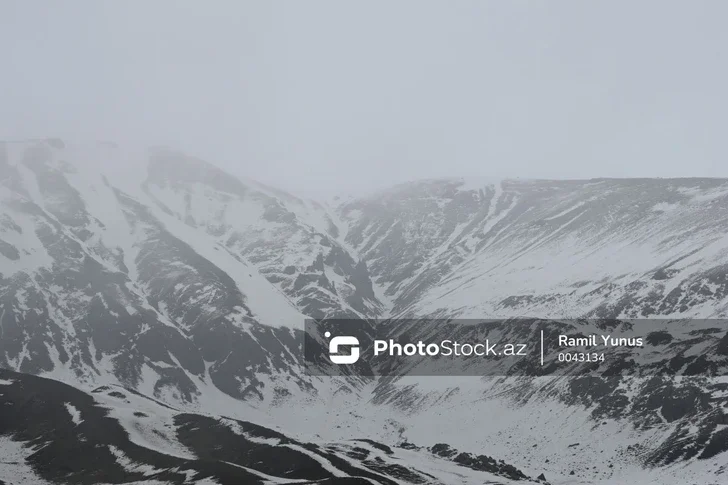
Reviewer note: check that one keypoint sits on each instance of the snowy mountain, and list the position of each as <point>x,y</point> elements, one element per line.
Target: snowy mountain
<point>106,275</point>
<point>188,287</point>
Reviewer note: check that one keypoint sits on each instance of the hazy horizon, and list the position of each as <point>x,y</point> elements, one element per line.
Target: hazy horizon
<point>326,97</point>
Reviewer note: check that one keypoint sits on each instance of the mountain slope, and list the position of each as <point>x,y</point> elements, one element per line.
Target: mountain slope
<point>606,247</point>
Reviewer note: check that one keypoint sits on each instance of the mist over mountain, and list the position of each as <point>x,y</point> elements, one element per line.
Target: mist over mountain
<point>163,301</point>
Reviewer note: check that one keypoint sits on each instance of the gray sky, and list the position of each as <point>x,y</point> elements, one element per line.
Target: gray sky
<point>330,95</point>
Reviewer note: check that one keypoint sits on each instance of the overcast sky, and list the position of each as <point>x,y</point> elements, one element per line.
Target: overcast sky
<point>331,95</point>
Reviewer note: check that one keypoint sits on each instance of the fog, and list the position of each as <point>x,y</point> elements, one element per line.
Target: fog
<point>328,96</point>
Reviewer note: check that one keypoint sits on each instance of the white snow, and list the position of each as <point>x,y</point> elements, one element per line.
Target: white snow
<point>130,465</point>
<point>152,429</point>
<point>13,468</point>
<point>75,413</point>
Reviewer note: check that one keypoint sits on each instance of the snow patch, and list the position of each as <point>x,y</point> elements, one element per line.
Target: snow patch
<point>13,466</point>
<point>75,413</point>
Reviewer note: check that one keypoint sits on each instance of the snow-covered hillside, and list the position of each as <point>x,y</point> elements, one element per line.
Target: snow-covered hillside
<point>560,249</point>
<point>114,435</point>
<point>107,273</point>
<point>161,273</point>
